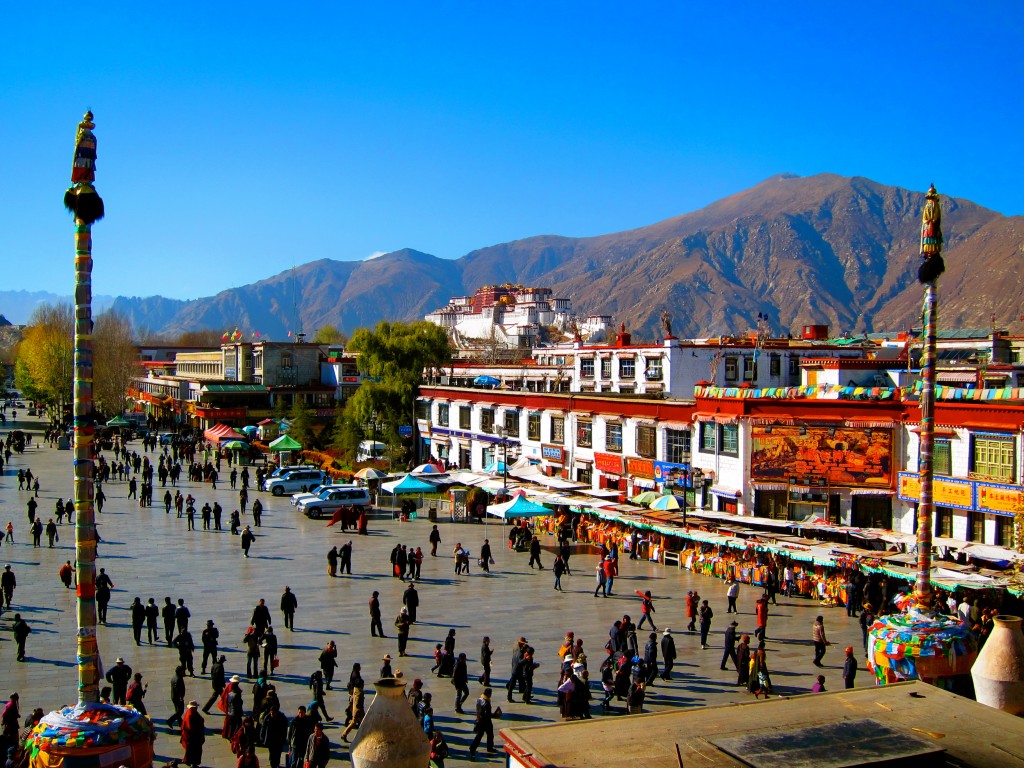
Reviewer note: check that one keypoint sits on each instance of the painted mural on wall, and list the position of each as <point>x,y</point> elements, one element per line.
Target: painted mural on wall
<point>842,457</point>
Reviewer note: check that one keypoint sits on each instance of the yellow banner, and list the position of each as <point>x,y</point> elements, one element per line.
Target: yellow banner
<point>1000,498</point>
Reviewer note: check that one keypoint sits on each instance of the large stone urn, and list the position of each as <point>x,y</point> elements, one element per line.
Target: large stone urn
<point>998,672</point>
<point>390,736</point>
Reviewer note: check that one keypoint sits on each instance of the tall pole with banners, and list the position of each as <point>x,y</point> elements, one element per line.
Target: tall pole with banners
<point>928,273</point>
<point>87,207</point>
<point>921,642</point>
<point>89,733</point>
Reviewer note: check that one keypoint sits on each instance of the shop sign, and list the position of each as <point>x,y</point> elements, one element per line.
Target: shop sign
<point>640,468</point>
<point>664,469</point>
<point>1001,499</point>
<point>553,453</point>
<point>946,491</point>
<point>609,463</point>
<point>350,379</point>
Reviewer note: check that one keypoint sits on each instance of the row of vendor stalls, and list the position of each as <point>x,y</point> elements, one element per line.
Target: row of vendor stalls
<point>719,544</point>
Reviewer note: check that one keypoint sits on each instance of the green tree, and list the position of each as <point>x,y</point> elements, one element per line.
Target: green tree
<point>330,334</point>
<point>395,357</point>
<point>301,417</point>
<point>347,433</point>
<point>46,355</point>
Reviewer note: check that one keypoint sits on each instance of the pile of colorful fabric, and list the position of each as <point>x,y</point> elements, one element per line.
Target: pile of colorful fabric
<point>919,645</point>
<point>100,734</point>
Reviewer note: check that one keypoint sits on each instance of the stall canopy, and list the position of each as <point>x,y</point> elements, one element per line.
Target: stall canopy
<point>235,445</point>
<point>407,484</point>
<point>369,473</point>
<point>285,443</point>
<point>117,421</point>
<point>533,474</point>
<point>519,507</point>
<point>222,433</point>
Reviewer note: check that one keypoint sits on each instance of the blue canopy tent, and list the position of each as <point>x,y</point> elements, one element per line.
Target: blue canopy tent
<point>519,507</point>
<point>486,381</point>
<point>407,484</point>
<point>496,468</point>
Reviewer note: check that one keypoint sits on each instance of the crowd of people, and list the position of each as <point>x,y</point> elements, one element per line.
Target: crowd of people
<point>636,660</point>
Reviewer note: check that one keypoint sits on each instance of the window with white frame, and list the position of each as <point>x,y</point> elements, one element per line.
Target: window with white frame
<point>613,436</point>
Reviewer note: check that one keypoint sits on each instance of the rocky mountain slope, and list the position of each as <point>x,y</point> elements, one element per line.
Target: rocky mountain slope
<point>821,249</point>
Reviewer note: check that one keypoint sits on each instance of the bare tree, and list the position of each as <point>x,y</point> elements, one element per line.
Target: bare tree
<point>115,361</point>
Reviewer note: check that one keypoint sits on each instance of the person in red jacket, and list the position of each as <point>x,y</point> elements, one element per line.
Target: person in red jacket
<point>193,735</point>
<point>761,613</point>
<point>692,603</point>
<point>646,610</point>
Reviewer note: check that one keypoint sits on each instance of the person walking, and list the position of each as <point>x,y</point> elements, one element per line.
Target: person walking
<point>646,610</point>
<point>376,628</point>
<point>485,661</point>
<point>743,660</point>
<point>610,572</point>
<point>434,539</point>
<point>269,644</point>
<point>217,682</point>
<point>67,575</point>
<point>329,662</point>
<point>668,653</point>
<point>102,602</point>
<point>21,631</point>
<point>119,676</point>
<point>275,734</point>
<point>706,614</point>
<point>761,617</point>
<point>288,605</point>
<point>138,611</point>
<point>332,562</point>
<point>732,593</point>
<point>177,690</point>
<point>136,693</point>
<point>248,537</point>
<point>729,651</point>
<point>193,735</point>
<point>318,750</point>
<point>210,639</point>
<point>299,731</point>
<point>558,569</point>
<point>411,600</point>
<point>152,619</point>
<point>316,685</point>
<point>460,679</point>
<point>181,616</point>
<point>692,607</point>
<point>345,559</point>
<point>186,655</point>
<point>167,612</point>
<point>849,668</point>
<point>819,639</point>
<point>257,516</point>
<point>534,556</point>
<point>402,623</point>
<point>486,557</point>
<point>483,725</point>
<point>600,579</point>
<point>8,583</point>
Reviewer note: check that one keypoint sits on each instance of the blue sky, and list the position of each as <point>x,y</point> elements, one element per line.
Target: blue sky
<point>238,140</point>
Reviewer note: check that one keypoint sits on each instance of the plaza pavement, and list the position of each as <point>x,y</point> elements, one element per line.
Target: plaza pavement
<point>150,554</point>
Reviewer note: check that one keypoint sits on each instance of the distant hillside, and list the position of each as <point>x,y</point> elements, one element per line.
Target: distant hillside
<point>17,306</point>
<point>820,249</point>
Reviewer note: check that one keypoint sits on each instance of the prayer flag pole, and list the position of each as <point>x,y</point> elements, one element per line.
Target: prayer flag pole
<point>87,207</point>
<point>922,643</point>
<point>89,733</point>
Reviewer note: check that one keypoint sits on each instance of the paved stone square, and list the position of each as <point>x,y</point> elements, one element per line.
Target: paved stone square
<point>150,554</point>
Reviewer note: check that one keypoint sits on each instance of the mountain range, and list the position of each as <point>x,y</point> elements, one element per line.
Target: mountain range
<point>822,249</point>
